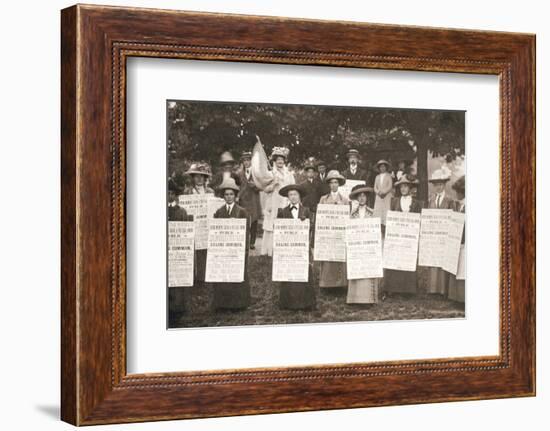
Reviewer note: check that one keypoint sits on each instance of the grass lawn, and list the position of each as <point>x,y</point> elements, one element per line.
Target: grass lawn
<point>331,307</point>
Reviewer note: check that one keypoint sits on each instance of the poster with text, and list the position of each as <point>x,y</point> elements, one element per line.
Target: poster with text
<point>452,245</point>
<point>291,250</point>
<point>434,231</point>
<point>401,241</point>
<point>364,248</point>
<point>181,252</point>
<point>330,233</point>
<point>345,190</point>
<point>225,259</point>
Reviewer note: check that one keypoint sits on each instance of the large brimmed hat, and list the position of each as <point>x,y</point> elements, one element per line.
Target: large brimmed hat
<point>438,176</point>
<point>352,152</point>
<point>382,162</point>
<point>298,187</point>
<point>199,169</point>
<point>358,189</point>
<point>335,175</point>
<point>460,184</point>
<point>226,157</point>
<point>228,183</point>
<point>406,179</point>
<point>279,152</point>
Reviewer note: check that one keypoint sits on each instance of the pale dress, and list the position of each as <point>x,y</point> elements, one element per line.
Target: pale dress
<point>272,201</point>
<point>382,184</point>
<point>365,290</point>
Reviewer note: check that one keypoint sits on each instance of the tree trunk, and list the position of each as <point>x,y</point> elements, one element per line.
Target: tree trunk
<point>422,169</point>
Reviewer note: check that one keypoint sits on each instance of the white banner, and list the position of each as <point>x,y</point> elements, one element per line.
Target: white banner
<point>401,241</point>
<point>291,250</point>
<point>226,250</point>
<point>330,233</point>
<point>364,248</point>
<point>454,240</point>
<point>434,230</point>
<point>202,208</point>
<point>345,190</point>
<point>181,253</point>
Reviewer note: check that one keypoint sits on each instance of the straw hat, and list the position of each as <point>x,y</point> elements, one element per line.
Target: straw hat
<point>382,162</point>
<point>352,152</point>
<point>309,165</point>
<point>335,175</point>
<point>438,176</point>
<point>228,183</point>
<point>298,187</point>
<point>406,179</point>
<point>246,155</point>
<point>199,169</point>
<point>226,157</point>
<point>358,189</point>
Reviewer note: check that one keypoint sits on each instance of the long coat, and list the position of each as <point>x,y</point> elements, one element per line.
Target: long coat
<point>333,274</point>
<point>297,295</point>
<point>233,295</point>
<point>249,197</point>
<point>382,184</point>
<point>313,192</point>
<point>439,279</point>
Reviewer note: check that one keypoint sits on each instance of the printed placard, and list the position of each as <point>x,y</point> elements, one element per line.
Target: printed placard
<point>345,190</point>
<point>330,233</point>
<point>290,250</point>
<point>181,253</point>
<point>434,231</point>
<point>401,241</point>
<point>226,250</point>
<point>453,243</point>
<point>364,248</point>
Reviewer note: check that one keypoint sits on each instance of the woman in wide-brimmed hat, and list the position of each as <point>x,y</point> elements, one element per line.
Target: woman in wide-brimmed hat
<point>457,289</point>
<point>403,281</point>
<point>333,274</point>
<point>365,290</point>
<point>232,296</point>
<point>438,282</point>
<point>383,186</point>
<point>296,295</point>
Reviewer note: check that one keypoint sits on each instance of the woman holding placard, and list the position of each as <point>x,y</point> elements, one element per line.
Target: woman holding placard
<point>333,274</point>
<point>365,290</point>
<point>296,295</point>
<point>403,281</point>
<point>457,288</point>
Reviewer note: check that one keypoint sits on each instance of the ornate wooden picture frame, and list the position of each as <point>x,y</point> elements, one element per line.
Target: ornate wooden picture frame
<point>96,41</point>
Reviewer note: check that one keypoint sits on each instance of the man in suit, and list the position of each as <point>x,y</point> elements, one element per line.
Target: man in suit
<point>439,198</point>
<point>312,187</point>
<point>232,296</point>
<point>249,196</point>
<point>353,171</point>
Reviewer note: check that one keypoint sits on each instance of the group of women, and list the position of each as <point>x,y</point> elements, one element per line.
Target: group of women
<point>282,198</point>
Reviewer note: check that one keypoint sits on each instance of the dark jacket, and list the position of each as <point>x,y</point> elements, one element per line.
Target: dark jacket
<point>360,174</point>
<point>446,203</point>
<point>236,212</point>
<point>314,190</point>
<point>416,205</point>
<point>249,197</point>
<point>303,212</point>
<point>177,213</point>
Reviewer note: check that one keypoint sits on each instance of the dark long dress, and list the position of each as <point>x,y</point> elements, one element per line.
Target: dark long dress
<point>233,296</point>
<point>401,281</point>
<point>297,295</point>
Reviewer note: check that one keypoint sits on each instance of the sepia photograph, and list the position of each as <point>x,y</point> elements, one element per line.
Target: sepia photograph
<point>284,214</point>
